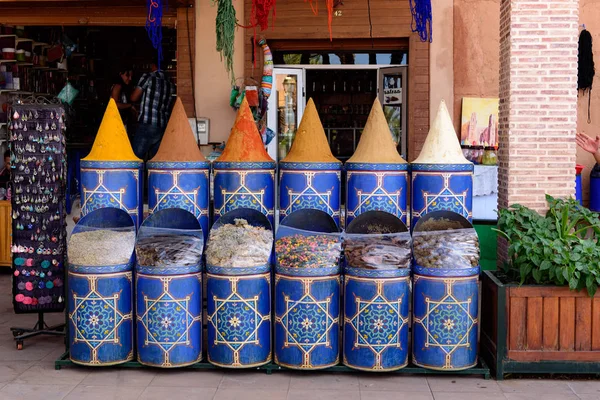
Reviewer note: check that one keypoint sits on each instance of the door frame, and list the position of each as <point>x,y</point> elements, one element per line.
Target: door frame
<point>403,71</point>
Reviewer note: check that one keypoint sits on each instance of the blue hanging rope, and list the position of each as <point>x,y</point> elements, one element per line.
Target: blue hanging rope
<point>421,23</point>
<point>154,26</point>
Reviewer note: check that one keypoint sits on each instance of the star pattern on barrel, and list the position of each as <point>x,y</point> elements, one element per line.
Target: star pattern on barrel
<point>445,199</point>
<point>377,324</point>
<point>379,198</point>
<point>448,323</point>
<point>167,321</point>
<point>236,321</point>
<point>242,196</point>
<point>96,319</point>
<point>101,197</point>
<point>176,197</point>
<point>309,197</point>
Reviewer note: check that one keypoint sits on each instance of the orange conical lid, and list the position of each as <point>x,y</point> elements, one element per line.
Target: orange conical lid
<point>111,143</point>
<point>244,143</point>
<point>376,145</point>
<point>310,143</point>
<point>442,145</point>
<point>178,142</point>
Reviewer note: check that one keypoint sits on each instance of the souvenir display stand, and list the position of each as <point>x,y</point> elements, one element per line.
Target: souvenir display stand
<point>168,292</point>
<point>100,298</point>
<point>243,293</point>
<point>377,301</point>
<point>37,143</point>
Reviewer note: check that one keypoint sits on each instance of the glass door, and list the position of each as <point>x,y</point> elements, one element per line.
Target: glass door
<point>286,106</point>
<point>393,88</point>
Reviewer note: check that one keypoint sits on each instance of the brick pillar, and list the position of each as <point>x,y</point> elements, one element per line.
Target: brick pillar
<point>538,101</point>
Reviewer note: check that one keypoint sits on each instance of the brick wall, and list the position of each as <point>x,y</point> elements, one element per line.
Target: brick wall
<point>538,100</point>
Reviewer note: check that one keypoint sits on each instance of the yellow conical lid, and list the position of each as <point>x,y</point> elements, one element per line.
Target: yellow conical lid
<point>178,142</point>
<point>442,145</point>
<point>376,145</point>
<point>244,143</point>
<point>310,143</point>
<point>111,143</point>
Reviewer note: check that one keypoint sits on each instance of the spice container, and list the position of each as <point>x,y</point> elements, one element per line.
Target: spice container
<point>178,175</point>
<point>489,156</point>
<point>244,174</point>
<point>100,287</point>
<point>377,247</point>
<point>307,291</point>
<point>169,289</point>
<point>20,55</point>
<point>310,176</point>
<point>377,177</point>
<point>238,270</point>
<point>8,53</point>
<point>446,290</point>
<point>28,57</point>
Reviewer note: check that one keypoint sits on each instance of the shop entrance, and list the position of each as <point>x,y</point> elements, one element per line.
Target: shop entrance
<point>343,86</point>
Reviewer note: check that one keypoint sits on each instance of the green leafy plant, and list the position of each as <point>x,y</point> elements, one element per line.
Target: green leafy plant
<point>560,248</point>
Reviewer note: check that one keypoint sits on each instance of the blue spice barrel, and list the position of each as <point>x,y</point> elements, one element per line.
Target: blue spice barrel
<point>310,186</point>
<point>441,187</point>
<point>307,302</point>
<point>445,314</point>
<point>239,306</point>
<point>376,303</point>
<point>578,188</point>
<point>115,184</point>
<point>595,189</point>
<point>100,304</point>
<point>376,187</point>
<point>182,185</point>
<point>244,185</point>
<point>169,297</point>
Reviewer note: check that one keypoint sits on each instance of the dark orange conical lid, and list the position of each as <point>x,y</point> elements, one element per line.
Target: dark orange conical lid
<point>178,142</point>
<point>310,143</point>
<point>244,143</point>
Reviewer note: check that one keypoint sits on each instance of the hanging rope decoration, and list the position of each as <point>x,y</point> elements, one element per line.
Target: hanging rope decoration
<point>154,26</point>
<point>421,23</point>
<point>585,67</point>
<point>314,6</point>
<point>226,25</point>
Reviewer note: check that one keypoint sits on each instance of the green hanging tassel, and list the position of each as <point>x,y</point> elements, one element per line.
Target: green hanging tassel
<point>226,24</point>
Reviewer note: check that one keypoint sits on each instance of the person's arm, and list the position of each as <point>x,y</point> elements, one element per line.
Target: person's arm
<point>136,96</point>
<point>590,145</point>
<point>116,95</point>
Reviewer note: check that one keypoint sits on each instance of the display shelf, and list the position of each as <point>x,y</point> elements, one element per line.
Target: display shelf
<point>25,64</point>
<point>23,40</point>
<point>7,61</point>
<point>481,368</point>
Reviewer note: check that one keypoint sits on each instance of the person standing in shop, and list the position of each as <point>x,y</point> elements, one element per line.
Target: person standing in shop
<point>156,92</point>
<point>120,92</point>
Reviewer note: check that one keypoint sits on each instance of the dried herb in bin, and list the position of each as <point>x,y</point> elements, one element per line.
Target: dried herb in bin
<point>299,251</point>
<point>453,249</point>
<point>378,251</point>
<point>101,247</point>
<point>239,245</point>
<point>169,250</point>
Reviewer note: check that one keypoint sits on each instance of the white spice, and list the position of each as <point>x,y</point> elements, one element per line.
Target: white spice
<point>101,247</point>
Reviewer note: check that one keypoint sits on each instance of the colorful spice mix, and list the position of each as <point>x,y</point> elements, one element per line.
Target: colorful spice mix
<point>178,142</point>
<point>245,143</point>
<point>299,251</point>
<point>310,143</point>
<point>112,143</point>
<point>442,145</point>
<point>376,144</point>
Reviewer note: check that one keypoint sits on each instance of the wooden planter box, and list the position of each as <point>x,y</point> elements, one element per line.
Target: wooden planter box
<point>538,329</point>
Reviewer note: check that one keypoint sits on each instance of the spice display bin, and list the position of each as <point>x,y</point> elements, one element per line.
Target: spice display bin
<point>376,187</point>
<point>441,187</point>
<point>307,301</point>
<point>445,312</point>
<point>595,189</point>
<point>239,306</point>
<point>310,186</point>
<point>100,303</point>
<point>244,185</point>
<point>115,184</point>
<point>376,303</point>
<point>169,298</point>
<point>182,185</point>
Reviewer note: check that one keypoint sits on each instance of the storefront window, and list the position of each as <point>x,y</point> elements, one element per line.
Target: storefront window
<point>340,58</point>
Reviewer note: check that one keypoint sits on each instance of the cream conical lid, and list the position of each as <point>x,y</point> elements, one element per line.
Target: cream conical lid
<point>442,145</point>
<point>376,145</point>
<point>310,143</point>
<point>111,143</point>
<point>178,142</point>
<point>244,143</point>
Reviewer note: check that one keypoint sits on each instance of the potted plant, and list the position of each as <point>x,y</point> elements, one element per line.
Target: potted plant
<point>540,313</point>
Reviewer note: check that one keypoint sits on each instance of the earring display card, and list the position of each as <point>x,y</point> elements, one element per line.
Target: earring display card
<point>38,167</point>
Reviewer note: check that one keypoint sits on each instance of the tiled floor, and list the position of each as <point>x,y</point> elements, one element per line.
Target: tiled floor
<point>29,374</point>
